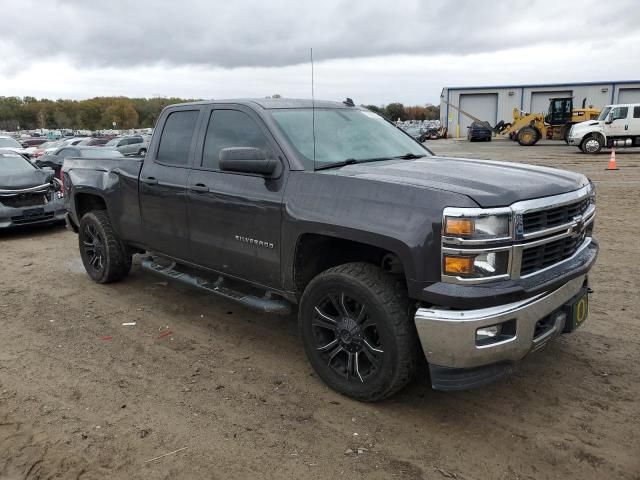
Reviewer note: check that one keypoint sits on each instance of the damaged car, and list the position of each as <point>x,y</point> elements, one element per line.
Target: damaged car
<point>28,194</point>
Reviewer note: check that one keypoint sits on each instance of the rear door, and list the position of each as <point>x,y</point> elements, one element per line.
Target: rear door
<point>234,218</point>
<point>163,184</point>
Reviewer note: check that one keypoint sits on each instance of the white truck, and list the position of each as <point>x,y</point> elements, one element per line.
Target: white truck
<point>616,126</point>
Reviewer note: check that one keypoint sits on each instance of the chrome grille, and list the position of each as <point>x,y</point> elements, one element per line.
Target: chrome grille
<point>547,254</point>
<point>542,219</point>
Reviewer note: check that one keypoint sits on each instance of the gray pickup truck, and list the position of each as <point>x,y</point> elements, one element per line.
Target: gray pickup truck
<point>390,254</point>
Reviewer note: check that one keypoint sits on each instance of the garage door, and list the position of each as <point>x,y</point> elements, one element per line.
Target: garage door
<point>481,105</point>
<point>629,95</point>
<point>540,100</point>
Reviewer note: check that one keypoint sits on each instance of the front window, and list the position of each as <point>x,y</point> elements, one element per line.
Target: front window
<point>13,164</point>
<point>343,135</point>
<point>603,114</point>
<point>9,143</point>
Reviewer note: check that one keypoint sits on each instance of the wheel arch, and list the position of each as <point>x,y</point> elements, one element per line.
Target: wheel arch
<point>86,201</point>
<point>317,252</point>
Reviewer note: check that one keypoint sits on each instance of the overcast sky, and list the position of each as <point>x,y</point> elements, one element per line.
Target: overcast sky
<point>371,50</point>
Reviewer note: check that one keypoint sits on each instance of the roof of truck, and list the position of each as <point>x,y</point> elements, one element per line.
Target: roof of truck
<point>272,103</point>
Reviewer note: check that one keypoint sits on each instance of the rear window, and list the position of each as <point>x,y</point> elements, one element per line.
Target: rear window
<point>177,133</point>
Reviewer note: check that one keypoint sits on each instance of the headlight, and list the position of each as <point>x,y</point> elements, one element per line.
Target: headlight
<point>479,265</point>
<point>481,228</point>
<point>592,193</point>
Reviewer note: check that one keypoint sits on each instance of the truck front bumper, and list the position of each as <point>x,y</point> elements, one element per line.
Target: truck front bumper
<point>457,360</point>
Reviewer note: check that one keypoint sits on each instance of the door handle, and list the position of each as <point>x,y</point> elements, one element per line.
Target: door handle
<point>199,188</point>
<point>149,180</point>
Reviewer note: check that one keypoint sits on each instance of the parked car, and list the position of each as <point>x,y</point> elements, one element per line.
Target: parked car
<point>46,147</point>
<point>479,131</point>
<point>28,194</point>
<point>94,141</point>
<point>616,126</point>
<point>55,158</point>
<point>384,247</point>
<point>32,142</point>
<point>10,143</point>
<point>134,145</point>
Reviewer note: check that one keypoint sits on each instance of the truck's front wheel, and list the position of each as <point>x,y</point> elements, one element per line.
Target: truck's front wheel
<point>104,256</point>
<point>592,144</point>
<point>357,332</point>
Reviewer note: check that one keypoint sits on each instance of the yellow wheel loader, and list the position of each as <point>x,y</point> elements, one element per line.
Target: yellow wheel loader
<point>528,128</point>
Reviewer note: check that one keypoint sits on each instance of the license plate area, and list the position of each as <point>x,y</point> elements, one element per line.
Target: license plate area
<point>577,311</point>
<point>33,212</point>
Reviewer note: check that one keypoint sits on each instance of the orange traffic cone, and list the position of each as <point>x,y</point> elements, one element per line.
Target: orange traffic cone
<point>612,161</point>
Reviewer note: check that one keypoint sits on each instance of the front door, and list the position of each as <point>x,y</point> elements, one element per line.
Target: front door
<point>163,186</point>
<point>617,124</point>
<point>234,218</point>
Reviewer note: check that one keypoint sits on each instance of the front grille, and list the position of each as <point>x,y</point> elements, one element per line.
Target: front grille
<point>542,219</point>
<point>545,255</point>
<point>25,200</point>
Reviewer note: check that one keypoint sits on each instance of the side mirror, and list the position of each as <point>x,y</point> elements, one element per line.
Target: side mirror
<point>247,160</point>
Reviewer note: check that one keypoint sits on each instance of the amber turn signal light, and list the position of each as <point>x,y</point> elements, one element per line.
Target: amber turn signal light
<point>457,265</point>
<point>458,226</point>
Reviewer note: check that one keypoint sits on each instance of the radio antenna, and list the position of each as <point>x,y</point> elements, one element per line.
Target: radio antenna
<point>313,112</point>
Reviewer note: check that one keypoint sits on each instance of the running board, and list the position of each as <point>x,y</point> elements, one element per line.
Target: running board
<point>266,304</point>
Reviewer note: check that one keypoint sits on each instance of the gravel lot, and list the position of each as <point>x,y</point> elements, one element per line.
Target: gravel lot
<point>82,396</point>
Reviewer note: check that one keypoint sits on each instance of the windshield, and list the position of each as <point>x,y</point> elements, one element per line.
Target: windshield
<point>9,143</point>
<point>603,114</point>
<point>112,143</point>
<point>12,164</point>
<point>343,134</point>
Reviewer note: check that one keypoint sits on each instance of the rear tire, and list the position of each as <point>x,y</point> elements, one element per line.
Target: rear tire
<point>357,332</point>
<point>528,136</point>
<point>104,256</point>
<point>592,144</point>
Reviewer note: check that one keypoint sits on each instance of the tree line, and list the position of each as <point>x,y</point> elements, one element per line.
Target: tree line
<point>97,113</point>
<point>29,113</point>
<point>395,111</point>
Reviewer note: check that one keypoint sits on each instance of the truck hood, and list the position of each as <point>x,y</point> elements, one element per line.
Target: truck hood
<point>488,183</point>
<point>588,125</point>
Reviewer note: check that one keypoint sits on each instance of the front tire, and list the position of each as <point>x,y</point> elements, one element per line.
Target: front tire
<point>104,256</point>
<point>357,331</point>
<point>528,136</point>
<point>592,144</point>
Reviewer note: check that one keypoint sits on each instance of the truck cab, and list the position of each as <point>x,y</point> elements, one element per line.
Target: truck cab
<point>617,126</point>
<point>390,252</point>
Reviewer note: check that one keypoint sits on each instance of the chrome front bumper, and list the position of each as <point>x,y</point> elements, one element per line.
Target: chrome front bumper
<point>448,337</point>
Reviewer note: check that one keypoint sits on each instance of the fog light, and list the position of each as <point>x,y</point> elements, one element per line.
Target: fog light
<point>488,332</point>
<point>458,265</point>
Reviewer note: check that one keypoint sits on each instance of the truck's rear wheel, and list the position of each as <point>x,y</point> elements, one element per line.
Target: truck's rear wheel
<point>357,332</point>
<point>528,136</point>
<point>104,256</point>
<point>592,144</point>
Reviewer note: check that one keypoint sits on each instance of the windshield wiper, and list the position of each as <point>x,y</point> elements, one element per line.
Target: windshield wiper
<point>351,161</point>
<point>409,156</point>
<point>342,163</point>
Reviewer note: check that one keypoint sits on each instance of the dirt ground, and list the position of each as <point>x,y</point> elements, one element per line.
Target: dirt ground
<point>82,396</point>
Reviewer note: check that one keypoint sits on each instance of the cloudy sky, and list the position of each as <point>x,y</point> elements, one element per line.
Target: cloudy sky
<point>371,50</point>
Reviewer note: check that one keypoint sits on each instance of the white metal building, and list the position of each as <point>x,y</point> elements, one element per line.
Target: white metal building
<point>496,103</point>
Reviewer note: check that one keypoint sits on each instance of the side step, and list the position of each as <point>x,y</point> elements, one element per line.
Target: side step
<point>265,304</point>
